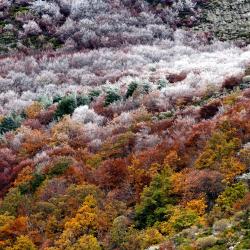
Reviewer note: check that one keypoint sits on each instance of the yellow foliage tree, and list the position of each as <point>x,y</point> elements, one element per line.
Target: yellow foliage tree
<point>10,227</point>
<point>197,205</point>
<point>172,159</point>
<point>232,167</point>
<point>178,180</point>
<point>140,240</point>
<point>180,219</point>
<point>25,175</point>
<point>86,221</point>
<point>220,153</point>
<point>149,237</point>
<point>86,242</point>
<point>1,118</point>
<point>22,243</point>
<point>33,110</point>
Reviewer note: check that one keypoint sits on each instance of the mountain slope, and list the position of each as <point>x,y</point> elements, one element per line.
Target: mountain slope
<point>124,125</point>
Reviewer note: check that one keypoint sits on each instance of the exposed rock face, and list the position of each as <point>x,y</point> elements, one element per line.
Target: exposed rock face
<point>227,19</point>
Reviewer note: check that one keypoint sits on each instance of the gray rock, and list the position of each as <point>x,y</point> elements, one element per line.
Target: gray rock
<point>246,79</point>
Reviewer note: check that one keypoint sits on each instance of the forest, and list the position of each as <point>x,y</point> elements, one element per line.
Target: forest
<point>124,125</point>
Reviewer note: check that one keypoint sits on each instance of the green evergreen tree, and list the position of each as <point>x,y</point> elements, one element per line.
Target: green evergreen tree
<point>155,201</point>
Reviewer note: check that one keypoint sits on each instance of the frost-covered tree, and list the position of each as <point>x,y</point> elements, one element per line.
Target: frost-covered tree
<point>31,28</point>
<point>84,115</point>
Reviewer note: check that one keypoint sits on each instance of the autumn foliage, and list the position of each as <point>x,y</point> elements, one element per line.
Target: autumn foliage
<point>120,129</point>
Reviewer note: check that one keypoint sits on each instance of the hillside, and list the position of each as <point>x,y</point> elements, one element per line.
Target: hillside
<point>124,124</point>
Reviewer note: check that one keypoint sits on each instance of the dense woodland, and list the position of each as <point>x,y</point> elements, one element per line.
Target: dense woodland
<point>124,125</point>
